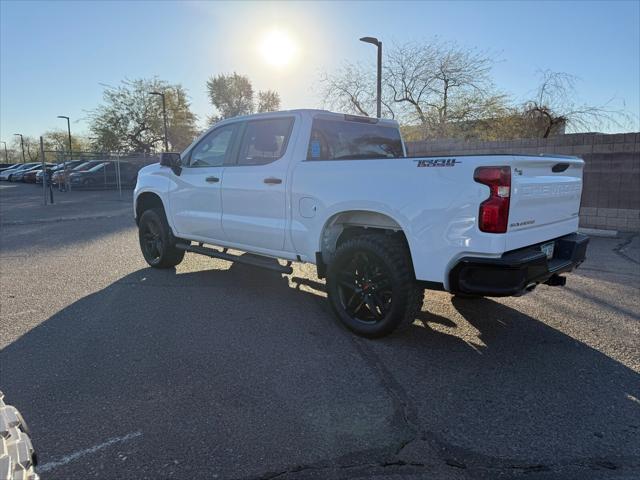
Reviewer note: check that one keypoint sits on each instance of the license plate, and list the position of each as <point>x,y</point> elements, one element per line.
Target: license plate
<point>547,249</point>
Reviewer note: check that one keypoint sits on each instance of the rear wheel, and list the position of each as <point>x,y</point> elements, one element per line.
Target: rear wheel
<point>156,240</point>
<point>371,286</point>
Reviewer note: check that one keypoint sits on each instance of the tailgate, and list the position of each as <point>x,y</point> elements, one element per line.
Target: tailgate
<point>545,191</point>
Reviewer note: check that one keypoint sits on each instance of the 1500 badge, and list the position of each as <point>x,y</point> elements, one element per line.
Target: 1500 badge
<point>438,162</point>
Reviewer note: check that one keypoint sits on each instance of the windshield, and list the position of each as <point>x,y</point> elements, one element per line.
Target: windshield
<point>87,165</point>
<point>97,167</point>
<point>24,166</point>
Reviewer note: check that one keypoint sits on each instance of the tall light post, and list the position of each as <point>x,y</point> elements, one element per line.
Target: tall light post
<point>64,166</point>
<point>164,116</point>
<point>21,144</point>
<point>69,132</point>
<point>6,155</point>
<point>377,43</point>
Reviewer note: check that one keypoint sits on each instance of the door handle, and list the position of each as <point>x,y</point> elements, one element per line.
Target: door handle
<point>272,181</point>
<point>212,179</point>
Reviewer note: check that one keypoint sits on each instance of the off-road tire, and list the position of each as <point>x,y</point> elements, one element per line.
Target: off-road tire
<point>168,255</point>
<point>17,456</point>
<point>407,296</point>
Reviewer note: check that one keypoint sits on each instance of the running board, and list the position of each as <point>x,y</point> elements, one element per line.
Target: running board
<point>256,261</point>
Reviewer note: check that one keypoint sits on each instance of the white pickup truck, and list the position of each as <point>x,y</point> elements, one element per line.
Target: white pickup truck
<point>339,191</point>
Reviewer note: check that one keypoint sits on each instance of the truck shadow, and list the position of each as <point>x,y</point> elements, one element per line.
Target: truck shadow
<point>241,358</point>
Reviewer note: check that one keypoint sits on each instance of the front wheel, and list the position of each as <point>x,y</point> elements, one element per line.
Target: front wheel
<point>156,241</point>
<point>371,286</point>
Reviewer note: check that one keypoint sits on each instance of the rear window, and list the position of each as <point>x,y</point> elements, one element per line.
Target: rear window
<point>352,140</point>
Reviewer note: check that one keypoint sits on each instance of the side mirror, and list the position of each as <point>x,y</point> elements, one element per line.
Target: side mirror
<point>171,160</point>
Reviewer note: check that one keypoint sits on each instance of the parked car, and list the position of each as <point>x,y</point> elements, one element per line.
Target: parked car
<point>7,166</point>
<point>339,191</point>
<point>59,168</point>
<point>30,175</point>
<point>58,176</point>
<point>19,176</point>
<point>9,173</point>
<point>105,175</point>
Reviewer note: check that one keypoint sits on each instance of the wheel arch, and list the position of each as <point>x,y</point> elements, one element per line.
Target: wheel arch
<point>348,224</point>
<point>147,200</point>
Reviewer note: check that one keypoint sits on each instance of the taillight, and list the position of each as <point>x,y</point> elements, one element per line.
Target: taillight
<point>494,211</point>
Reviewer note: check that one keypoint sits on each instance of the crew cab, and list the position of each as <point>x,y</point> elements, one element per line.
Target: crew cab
<point>340,191</point>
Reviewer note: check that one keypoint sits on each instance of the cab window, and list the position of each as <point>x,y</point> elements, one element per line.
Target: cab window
<point>212,150</point>
<point>264,141</point>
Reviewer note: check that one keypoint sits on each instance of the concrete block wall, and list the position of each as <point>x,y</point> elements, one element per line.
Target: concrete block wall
<point>611,193</point>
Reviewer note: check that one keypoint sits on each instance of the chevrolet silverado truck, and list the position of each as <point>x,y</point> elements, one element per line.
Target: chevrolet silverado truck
<point>340,191</point>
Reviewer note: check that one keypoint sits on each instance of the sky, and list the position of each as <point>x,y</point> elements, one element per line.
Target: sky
<point>56,57</point>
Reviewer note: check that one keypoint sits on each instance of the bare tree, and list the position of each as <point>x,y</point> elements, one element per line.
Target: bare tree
<point>438,84</point>
<point>554,107</point>
<point>351,90</point>
<point>430,84</point>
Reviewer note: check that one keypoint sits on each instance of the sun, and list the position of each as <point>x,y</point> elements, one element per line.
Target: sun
<point>277,48</point>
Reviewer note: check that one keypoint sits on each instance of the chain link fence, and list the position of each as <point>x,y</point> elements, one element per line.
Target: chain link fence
<point>90,171</point>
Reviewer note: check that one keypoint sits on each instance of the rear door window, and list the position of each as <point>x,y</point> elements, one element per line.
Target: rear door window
<point>264,141</point>
<point>352,140</point>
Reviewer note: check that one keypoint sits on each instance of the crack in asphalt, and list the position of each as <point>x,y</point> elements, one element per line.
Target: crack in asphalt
<point>402,403</point>
<point>447,455</point>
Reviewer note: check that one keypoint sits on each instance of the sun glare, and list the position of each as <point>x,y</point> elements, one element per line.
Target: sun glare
<point>277,48</point>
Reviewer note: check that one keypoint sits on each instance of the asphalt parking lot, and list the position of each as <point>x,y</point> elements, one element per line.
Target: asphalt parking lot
<point>226,371</point>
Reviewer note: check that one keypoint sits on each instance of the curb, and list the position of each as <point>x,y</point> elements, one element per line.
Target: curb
<point>596,232</point>
<point>62,219</point>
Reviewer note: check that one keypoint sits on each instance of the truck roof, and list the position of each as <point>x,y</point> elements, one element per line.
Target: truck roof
<point>312,112</point>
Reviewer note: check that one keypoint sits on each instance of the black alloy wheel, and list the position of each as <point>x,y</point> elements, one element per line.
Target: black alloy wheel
<point>156,240</point>
<point>151,241</point>
<point>371,286</point>
<point>364,288</point>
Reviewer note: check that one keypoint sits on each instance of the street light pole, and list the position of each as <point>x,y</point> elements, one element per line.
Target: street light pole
<point>6,155</point>
<point>69,132</point>
<point>21,144</point>
<point>377,43</point>
<point>64,166</point>
<point>164,116</point>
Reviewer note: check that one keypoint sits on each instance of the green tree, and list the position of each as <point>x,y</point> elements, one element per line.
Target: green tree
<point>232,95</point>
<point>130,119</point>
<point>58,140</point>
<point>268,101</point>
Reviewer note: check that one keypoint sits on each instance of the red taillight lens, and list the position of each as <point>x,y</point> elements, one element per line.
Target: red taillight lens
<point>494,212</point>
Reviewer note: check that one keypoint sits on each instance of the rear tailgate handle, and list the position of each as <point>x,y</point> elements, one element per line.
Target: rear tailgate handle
<point>212,179</point>
<point>272,181</point>
<point>559,167</point>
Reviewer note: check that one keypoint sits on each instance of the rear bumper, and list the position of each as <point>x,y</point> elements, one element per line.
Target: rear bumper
<point>517,271</point>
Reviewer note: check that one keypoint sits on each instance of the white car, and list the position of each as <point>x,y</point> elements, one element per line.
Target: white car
<point>339,191</point>
<point>23,167</point>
